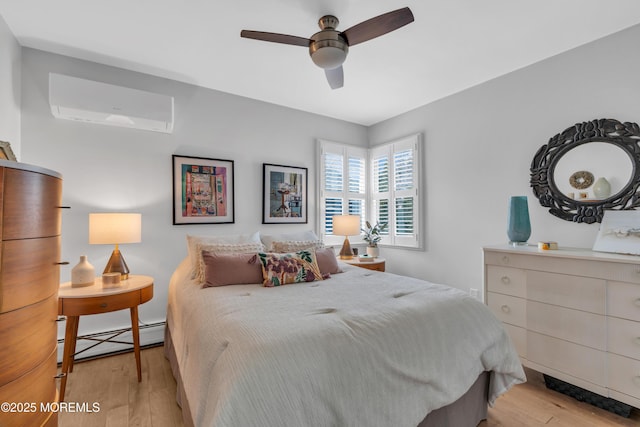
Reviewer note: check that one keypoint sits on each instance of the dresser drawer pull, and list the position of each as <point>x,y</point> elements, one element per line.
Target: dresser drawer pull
<point>62,263</point>
<point>505,259</point>
<point>103,305</point>
<point>61,318</point>
<point>505,308</point>
<point>60,375</point>
<point>63,207</point>
<point>505,279</point>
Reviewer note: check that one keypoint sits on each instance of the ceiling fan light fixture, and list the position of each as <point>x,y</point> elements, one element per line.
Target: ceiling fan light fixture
<point>329,57</point>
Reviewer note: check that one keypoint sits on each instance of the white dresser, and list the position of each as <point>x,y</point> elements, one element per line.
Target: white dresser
<point>573,314</point>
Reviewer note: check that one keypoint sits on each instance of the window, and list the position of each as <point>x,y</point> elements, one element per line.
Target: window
<point>395,190</point>
<point>379,184</point>
<point>342,186</point>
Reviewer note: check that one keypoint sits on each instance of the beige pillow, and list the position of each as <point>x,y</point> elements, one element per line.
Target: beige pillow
<point>268,239</point>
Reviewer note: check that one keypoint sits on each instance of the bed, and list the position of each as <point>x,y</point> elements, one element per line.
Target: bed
<point>361,348</point>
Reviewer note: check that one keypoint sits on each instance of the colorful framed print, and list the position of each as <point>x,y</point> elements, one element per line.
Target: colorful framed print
<point>284,194</point>
<point>202,190</point>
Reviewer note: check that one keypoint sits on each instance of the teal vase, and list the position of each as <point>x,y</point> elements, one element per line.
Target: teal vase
<point>519,225</point>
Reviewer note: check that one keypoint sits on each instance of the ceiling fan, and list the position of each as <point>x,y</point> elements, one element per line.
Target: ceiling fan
<point>328,47</point>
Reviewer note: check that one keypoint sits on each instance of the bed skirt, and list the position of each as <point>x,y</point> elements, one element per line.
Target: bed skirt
<point>468,411</point>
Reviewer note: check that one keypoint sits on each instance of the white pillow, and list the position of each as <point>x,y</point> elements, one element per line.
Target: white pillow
<point>268,239</point>
<point>234,239</point>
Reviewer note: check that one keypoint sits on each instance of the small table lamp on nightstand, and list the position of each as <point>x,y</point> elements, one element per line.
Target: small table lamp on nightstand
<point>115,229</point>
<point>346,225</point>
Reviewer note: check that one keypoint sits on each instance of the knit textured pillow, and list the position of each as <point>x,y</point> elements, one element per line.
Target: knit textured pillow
<point>283,269</point>
<point>296,245</point>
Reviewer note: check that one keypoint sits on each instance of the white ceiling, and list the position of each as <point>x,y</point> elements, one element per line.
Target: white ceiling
<point>452,45</point>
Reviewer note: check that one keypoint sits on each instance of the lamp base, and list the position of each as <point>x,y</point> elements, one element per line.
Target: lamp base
<point>117,264</point>
<point>346,252</point>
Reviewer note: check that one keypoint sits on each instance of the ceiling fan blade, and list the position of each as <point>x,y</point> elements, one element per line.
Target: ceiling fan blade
<point>335,77</point>
<point>275,38</point>
<point>378,26</point>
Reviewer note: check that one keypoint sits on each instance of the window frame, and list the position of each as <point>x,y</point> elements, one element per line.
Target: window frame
<point>414,142</point>
<point>345,150</point>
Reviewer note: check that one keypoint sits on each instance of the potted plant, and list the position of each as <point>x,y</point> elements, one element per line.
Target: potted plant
<point>372,236</point>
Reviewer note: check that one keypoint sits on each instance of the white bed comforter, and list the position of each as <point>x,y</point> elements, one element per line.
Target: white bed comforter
<point>362,348</point>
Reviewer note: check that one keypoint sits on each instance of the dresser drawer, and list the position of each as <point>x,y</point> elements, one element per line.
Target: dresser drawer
<point>580,293</point>
<point>28,336</point>
<point>95,305</point>
<point>506,280</point>
<point>508,309</point>
<point>518,337</point>
<point>31,205</point>
<point>37,386</point>
<point>624,375</point>
<point>576,326</point>
<point>623,300</point>
<point>623,337</point>
<point>572,359</point>
<point>29,271</point>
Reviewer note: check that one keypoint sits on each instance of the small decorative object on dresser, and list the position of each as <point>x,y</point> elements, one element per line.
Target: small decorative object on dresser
<point>519,226</point>
<point>601,188</point>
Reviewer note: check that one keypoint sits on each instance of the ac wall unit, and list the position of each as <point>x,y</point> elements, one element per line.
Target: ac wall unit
<point>83,100</point>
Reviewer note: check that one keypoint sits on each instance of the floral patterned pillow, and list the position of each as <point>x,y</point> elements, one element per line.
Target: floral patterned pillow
<point>282,269</point>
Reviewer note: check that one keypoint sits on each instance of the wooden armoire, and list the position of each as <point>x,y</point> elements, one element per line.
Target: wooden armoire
<point>30,225</point>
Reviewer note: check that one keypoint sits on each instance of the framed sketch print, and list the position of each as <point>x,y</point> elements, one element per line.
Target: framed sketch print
<point>619,232</point>
<point>202,190</point>
<point>284,194</point>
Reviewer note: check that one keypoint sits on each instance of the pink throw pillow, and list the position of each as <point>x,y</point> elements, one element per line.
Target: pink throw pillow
<point>327,261</point>
<point>231,269</point>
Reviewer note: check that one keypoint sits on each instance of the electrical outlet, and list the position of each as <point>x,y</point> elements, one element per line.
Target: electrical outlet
<point>474,293</point>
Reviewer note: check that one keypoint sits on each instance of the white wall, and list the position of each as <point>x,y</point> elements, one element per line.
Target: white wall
<point>9,88</point>
<point>109,169</point>
<point>479,145</point>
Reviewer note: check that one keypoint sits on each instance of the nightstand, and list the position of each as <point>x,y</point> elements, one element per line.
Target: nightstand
<point>378,264</point>
<point>76,302</point>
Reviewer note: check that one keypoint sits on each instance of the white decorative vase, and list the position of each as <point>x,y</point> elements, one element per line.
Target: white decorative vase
<point>601,188</point>
<point>373,251</point>
<point>83,274</point>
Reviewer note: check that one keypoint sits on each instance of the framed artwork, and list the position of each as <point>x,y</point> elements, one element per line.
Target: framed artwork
<point>619,232</point>
<point>202,190</point>
<point>6,153</point>
<point>284,194</point>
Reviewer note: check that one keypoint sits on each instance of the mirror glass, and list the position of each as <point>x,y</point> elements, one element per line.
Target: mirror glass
<point>577,172</point>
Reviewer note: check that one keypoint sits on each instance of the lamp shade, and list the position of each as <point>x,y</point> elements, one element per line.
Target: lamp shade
<point>346,225</point>
<point>115,228</point>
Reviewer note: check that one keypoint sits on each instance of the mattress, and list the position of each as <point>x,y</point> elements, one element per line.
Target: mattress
<point>361,348</point>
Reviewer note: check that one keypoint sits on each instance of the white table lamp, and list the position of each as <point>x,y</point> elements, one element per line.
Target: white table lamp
<point>115,229</point>
<point>346,225</point>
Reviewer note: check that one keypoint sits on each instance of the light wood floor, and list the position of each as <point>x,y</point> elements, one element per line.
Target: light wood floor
<point>112,382</point>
